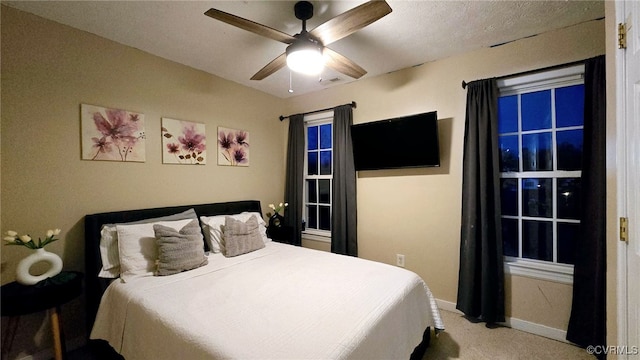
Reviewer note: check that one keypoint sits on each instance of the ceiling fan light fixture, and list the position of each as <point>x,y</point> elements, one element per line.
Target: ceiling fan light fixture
<point>305,57</point>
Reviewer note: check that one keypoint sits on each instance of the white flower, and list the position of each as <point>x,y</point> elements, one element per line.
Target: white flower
<point>280,205</point>
<point>272,206</point>
<point>27,241</point>
<point>286,204</point>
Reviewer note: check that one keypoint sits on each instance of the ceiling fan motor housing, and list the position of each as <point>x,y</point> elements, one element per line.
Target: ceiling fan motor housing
<point>303,10</point>
<point>304,40</point>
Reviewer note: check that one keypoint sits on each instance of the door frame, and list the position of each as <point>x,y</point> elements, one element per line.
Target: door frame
<point>621,150</point>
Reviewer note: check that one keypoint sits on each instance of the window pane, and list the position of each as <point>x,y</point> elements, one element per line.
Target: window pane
<point>536,197</point>
<point>569,149</point>
<point>325,136</point>
<point>537,240</point>
<point>509,196</point>
<point>570,106</point>
<point>536,110</point>
<point>537,154</point>
<point>510,237</point>
<point>509,153</point>
<point>325,162</point>
<point>325,218</point>
<point>312,138</point>
<point>312,216</point>
<point>324,189</point>
<point>312,161</point>
<point>568,198</point>
<point>312,192</point>
<point>507,114</point>
<point>567,240</point>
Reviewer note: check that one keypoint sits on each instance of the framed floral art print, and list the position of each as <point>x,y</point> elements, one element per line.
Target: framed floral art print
<point>112,134</point>
<point>233,147</point>
<point>183,142</point>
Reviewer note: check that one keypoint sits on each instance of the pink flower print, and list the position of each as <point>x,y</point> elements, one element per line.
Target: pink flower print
<point>192,141</point>
<point>239,156</point>
<point>121,128</point>
<point>225,140</point>
<point>241,138</point>
<point>173,148</point>
<point>117,126</point>
<point>102,144</point>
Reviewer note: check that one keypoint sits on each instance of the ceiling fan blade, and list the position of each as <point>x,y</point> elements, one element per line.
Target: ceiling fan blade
<point>350,21</point>
<point>251,26</point>
<point>275,65</point>
<point>341,64</point>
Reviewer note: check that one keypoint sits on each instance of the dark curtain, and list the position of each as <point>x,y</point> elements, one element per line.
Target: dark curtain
<point>587,324</point>
<point>293,190</point>
<point>343,217</point>
<point>481,274</point>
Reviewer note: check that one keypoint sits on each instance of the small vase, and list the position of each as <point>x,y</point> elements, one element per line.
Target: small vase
<point>276,220</point>
<point>24,277</point>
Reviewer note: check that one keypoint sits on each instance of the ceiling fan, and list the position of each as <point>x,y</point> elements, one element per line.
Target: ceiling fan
<point>307,51</point>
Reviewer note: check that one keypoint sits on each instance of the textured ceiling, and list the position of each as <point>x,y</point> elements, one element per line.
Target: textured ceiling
<point>414,33</point>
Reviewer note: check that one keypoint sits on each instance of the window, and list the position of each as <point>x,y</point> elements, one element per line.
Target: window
<point>540,127</point>
<point>318,175</point>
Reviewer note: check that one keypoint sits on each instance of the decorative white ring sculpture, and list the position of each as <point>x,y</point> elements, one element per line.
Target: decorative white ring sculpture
<point>24,277</point>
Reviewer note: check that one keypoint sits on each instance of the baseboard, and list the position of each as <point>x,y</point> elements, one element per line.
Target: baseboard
<point>522,325</point>
<point>47,354</point>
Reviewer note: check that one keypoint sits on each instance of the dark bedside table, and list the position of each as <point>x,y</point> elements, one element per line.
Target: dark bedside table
<point>51,294</point>
<point>282,234</point>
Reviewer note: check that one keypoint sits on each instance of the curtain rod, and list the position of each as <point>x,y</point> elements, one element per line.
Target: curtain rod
<point>464,83</point>
<point>353,105</point>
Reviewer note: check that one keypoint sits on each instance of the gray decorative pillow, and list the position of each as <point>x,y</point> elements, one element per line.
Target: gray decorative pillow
<point>179,250</point>
<point>241,237</point>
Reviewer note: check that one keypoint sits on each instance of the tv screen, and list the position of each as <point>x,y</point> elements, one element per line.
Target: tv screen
<point>409,141</point>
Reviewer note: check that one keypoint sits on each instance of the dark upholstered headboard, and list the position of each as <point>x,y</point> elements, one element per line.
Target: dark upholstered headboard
<point>96,286</point>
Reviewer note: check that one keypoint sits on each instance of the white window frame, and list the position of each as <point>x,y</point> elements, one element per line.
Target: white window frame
<point>316,120</point>
<point>552,271</point>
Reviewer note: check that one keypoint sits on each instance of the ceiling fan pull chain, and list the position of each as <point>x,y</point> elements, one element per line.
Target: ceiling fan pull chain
<point>290,82</point>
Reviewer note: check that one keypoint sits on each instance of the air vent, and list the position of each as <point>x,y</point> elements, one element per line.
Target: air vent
<point>327,82</point>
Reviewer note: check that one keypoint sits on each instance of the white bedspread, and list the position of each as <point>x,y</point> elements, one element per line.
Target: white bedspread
<point>280,302</point>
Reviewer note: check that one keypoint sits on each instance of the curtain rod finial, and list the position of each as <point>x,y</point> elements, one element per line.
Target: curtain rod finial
<point>281,118</point>
<point>464,84</point>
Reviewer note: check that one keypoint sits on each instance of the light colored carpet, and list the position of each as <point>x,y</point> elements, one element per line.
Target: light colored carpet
<point>463,339</point>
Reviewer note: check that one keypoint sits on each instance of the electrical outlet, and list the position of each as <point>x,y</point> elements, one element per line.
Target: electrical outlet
<point>400,260</point>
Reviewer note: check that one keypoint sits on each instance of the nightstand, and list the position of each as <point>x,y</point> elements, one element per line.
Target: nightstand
<point>49,294</point>
<point>282,234</point>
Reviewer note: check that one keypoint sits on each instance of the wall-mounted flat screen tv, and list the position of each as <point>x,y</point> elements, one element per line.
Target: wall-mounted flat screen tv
<point>409,141</point>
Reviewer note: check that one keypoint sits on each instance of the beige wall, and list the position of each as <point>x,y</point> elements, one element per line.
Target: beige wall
<point>48,70</point>
<point>416,212</point>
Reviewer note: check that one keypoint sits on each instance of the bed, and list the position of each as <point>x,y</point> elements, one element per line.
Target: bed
<point>275,302</point>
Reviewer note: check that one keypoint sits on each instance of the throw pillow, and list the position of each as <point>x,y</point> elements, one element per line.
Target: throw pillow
<point>179,250</point>
<point>241,237</point>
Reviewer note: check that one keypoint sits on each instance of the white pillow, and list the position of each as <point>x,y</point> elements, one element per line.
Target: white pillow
<point>138,249</point>
<point>109,252</point>
<point>109,242</point>
<point>212,228</point>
